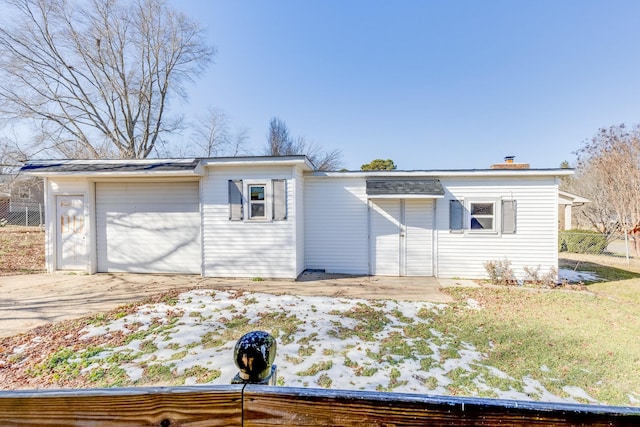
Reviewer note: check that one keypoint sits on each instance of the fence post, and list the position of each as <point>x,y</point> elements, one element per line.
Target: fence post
<point>26,216</point>
<point>626,244</point>
<point>40,214</point>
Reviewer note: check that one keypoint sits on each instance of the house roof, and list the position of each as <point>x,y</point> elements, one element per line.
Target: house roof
<point>449,173</point>
<point>79,167</point>
<point>193,167</point>
<point>107,167</point>
<point>415,187</point>
<point>566,198</point>
<point>134,167</point>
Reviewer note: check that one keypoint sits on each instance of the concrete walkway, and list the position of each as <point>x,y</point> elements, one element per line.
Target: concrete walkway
<point>32,300</point>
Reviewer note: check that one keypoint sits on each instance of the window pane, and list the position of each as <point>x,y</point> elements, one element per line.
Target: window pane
<point>482,223</point>
<point>257,192</point>
<point>481,208</point>
<point>257,210</point>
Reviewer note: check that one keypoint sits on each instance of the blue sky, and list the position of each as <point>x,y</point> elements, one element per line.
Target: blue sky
<point>429,84</point>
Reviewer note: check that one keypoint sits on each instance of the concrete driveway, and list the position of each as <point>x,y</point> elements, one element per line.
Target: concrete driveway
<point>32,300</point>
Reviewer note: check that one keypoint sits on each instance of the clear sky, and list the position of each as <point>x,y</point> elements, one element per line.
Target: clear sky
<point>429,84</point>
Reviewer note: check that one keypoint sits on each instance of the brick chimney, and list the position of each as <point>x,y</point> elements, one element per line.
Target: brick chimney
<point>509,164</point>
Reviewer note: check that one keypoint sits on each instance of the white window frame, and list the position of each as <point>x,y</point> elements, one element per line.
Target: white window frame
<point>498,216</point>
<point>494,217</point>
<point>266,202</point>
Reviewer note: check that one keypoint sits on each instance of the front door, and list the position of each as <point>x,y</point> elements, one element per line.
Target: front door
<point>71,247</point>
<point>401,237</point>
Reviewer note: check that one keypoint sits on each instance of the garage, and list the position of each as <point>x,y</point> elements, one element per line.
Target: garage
<point>148,227</point>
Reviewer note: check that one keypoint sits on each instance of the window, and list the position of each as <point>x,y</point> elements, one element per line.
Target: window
<point>257,202</point>
<point>24,193</point>
<point>263,200</point>
<point>477,216</point>
<point>482,216</point>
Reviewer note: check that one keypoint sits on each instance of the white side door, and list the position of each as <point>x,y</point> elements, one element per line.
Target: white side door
<point>401,237</point>
<point>71,239</point>
<point>418,250</point>
<point>385,237</point>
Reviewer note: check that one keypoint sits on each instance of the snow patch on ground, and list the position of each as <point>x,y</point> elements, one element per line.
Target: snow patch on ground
<point>336,343</point>
<point>573,276</point>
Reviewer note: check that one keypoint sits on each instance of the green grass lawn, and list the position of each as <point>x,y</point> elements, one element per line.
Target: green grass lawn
<point>557,337</point>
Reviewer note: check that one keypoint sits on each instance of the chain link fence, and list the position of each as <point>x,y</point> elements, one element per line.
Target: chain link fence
<point>21,213</point>
<point>618,245</point>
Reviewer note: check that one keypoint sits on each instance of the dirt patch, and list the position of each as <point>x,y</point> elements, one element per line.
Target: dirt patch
<point>21,250</point>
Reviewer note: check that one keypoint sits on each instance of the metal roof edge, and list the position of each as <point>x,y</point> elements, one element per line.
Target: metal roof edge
<point>262,160</point>
<point>440,173</point>
<point>48,167</point>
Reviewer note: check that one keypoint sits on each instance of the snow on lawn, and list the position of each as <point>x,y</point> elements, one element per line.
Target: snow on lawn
<point>322,342</point>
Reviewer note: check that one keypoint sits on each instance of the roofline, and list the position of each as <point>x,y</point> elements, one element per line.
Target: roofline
<point>449,173</point>
<point>197,171</point>
<point>263,160</point>
<point>194,172</point>
<point>574,198</point>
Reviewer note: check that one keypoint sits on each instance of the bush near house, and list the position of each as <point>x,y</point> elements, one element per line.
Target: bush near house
<point>582,242</point>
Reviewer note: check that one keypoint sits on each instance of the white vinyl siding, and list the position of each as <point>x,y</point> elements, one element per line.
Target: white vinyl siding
<point>262,248</point>
<point>151,227</point>
<point>336,225</point>
<point>534,243</point>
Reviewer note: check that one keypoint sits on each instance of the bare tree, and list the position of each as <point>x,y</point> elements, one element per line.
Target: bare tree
<point>609,166</point>
<point>280,143</point>
<point>97,76</point>
<point>213,136</point>
<point>597,214</point>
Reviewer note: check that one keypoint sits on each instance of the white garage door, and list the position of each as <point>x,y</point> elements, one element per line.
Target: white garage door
<point>148,227</point>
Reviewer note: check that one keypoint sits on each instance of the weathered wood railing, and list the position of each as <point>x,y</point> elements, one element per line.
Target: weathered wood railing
<point>246,403</point>
<point>259,405</point>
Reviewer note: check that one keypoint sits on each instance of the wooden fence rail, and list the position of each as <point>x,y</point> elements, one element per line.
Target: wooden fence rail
<point>259,405</point>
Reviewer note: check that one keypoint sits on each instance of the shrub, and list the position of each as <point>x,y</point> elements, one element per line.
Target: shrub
<point>500,272</point>
<point>582,242</point>
<point>533,277</point>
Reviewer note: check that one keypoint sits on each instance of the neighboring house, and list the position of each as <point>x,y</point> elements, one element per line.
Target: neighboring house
<point>21,195</point>
<point>566,203</point>
<point>274,217</point>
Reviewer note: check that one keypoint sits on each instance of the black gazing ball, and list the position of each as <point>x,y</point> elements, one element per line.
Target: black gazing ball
<point>254,354</point>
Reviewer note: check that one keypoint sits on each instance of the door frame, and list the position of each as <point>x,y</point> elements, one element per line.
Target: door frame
<point>402,234</point>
